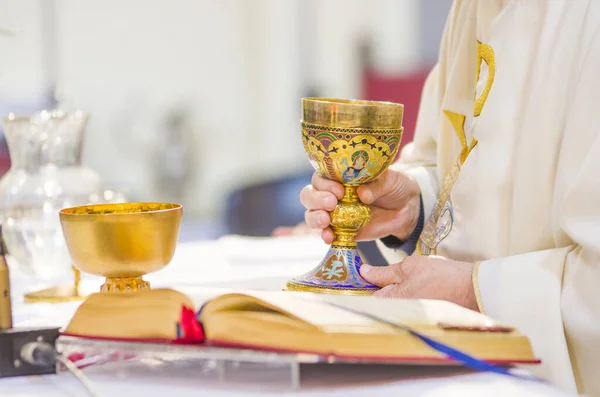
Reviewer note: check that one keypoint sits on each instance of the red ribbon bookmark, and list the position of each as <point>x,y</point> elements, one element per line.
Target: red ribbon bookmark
<point>191,329</point>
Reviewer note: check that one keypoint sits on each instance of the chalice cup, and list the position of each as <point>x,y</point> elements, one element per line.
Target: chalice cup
<point>122,242</point>
<point>352,142</point>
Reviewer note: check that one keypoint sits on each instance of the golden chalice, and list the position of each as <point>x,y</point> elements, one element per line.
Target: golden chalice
<point>352,142</point>
<point>122,242</point>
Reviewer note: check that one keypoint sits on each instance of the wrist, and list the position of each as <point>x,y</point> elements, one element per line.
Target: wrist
<point>413,211</point>
<point>478,305</point>
<point>407,240</point>
<point>467,296</point>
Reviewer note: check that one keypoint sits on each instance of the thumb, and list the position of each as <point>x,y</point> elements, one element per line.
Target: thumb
<point>392,190</point>
<point>380,276</point>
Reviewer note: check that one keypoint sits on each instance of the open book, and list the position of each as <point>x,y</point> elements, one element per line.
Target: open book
<point>300,322</point>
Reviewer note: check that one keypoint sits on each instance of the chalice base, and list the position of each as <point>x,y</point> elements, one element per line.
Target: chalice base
<point>124,284</point>
<point>338,273</point>
<point>67,292</point>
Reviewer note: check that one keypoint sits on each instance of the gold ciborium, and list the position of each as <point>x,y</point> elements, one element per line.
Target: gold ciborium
<point>122,242</point>
<point>352,142</point>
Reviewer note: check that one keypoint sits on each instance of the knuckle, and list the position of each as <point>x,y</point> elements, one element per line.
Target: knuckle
<point>327,234</point>
<point>328,201</point>
<point>398,271</point>
<point>390,274</point>
<point>410,263</point>
<point>313,199</point>
<point>318,181</point>
<point>383,292</point>
<point>324,219</point>
<point>316,219</point>
<point>405,291</point>
<point>398,217</point>
<point>390,291</point>
<point>304,194</point>
<point>375,187</point>
<point>401,185</point>
<point>391,185</point>
<point>397,190</point>
<point>387,179</point>
<point>321,201</point>
<point>411,217</point>
<point>309,218</point>
<point>315,177</point>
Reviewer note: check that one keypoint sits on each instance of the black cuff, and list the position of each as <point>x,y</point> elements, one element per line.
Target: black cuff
<point>410,244</point>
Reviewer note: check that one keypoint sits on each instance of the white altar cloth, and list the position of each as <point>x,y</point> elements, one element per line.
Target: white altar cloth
<point>265,264</point>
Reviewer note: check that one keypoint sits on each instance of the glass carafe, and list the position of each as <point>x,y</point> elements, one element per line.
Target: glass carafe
<point>46,175</point>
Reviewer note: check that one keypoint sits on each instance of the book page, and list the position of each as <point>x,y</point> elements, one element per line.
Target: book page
<point>412,312</point>
<point>202,295</point>
<point>309,310</point>
<point>314,309</point>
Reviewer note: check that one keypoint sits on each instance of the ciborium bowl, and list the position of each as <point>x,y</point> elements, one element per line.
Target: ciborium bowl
<point>122,242</point>
<point>351,142</point>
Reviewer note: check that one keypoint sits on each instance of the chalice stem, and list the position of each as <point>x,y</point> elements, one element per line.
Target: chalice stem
<point>348,217</point>
<point>339,271</point>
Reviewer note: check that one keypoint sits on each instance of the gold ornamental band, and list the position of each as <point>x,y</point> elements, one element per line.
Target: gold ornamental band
<point>122,209</point>
<point>292,286</point>
<point>352,113</point>
<point>381,131</point>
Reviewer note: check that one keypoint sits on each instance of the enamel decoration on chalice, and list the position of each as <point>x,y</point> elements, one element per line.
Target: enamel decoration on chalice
<point>352,142</point>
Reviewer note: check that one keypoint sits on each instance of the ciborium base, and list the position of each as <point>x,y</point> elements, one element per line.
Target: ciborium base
<point>338,273</point>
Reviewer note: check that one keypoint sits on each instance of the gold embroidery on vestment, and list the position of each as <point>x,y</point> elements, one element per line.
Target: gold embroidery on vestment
<point>485,53</point>
<point>434,232</point>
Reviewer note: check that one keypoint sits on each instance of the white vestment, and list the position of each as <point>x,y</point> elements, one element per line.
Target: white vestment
<point>507,154</point>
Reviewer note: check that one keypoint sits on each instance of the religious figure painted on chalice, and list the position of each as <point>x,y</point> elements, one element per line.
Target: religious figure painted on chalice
<point>358,170</point>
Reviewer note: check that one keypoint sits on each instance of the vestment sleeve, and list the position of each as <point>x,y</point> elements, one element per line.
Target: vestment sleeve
<point>553,296</point>
<point>419,157</point>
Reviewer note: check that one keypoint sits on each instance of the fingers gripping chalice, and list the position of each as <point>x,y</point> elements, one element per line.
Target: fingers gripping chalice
<point>352,142</point>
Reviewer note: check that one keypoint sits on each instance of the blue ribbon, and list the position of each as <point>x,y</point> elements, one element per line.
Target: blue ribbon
<point>465,359</point>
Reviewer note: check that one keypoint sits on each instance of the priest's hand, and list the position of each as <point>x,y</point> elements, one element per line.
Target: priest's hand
<point>425,277</point>
<point>394,198</point>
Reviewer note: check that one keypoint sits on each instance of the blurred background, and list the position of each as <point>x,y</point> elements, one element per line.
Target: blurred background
<point>198,101</point>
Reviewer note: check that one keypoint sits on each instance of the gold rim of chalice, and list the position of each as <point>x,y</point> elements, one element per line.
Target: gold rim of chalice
<point>352,113</point>
<point>121,209</point>
<point>122,241</point>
